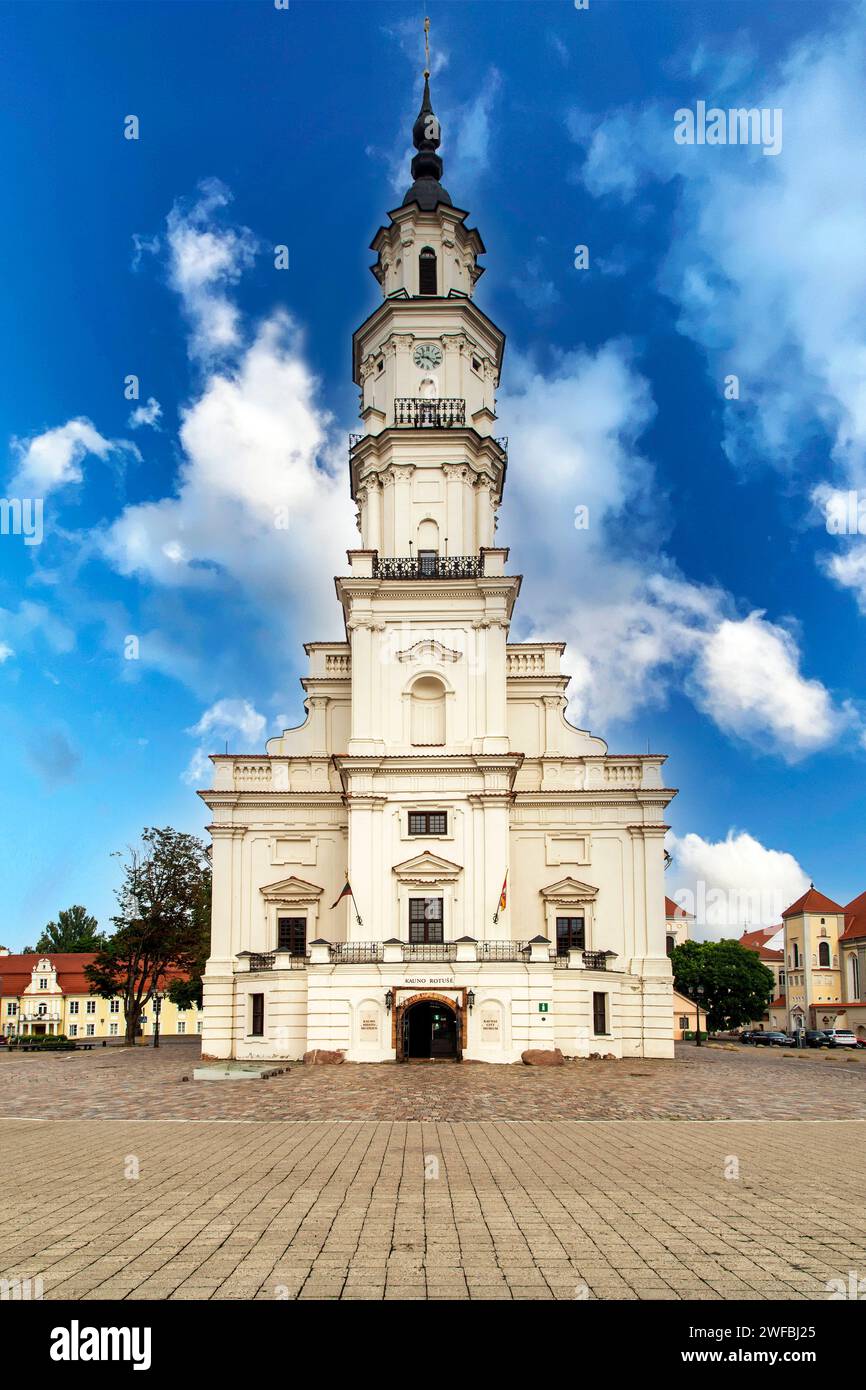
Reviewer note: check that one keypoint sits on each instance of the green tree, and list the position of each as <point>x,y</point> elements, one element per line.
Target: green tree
<point>74,930</point>
<point>737,987</point>
<point>166,881</point>
<point>189,992</point>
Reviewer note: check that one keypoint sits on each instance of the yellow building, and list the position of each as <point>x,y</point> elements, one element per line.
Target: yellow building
<point>50,995</point>
<point>813,927</point>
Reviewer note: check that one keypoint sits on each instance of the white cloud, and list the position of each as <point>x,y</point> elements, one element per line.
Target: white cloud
<point>6,652</point>
<point>226,720</point>
<point>148,414</point>
<point>766,264</point>
<point>748,679</point>
<point>733,884</point>
<point>204,260</point>
<point>53,459</point>
<point>636,627</point>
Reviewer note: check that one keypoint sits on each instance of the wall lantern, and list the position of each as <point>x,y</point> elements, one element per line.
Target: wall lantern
<point>470,999</point>
<point>389,1001</point>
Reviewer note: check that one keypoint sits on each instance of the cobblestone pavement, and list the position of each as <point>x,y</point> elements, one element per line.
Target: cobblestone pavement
<point>651,1180</point>
<point>390,1209</point>
<point>704,1083</point>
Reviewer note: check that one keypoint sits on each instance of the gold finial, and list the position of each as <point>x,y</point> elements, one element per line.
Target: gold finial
<point>426,47</point>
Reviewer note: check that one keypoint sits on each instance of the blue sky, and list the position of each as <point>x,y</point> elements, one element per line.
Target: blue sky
<point>712,610</point>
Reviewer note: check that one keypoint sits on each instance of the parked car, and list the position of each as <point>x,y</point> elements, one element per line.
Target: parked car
<point>814,1037</point>
<point>771,1039</point>
<point>839,1037</point>
<point>748,1035</point>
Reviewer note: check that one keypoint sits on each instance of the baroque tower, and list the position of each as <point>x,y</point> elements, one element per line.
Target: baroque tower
<point>435,863</point>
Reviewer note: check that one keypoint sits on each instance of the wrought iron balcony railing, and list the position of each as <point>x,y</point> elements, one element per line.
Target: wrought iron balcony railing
<point>418,412</point>
<point>429,951</point>
<point>429,567</point>
<point>356,952</point>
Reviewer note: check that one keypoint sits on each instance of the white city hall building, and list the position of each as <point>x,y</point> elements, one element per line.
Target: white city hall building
<point>435,763</point>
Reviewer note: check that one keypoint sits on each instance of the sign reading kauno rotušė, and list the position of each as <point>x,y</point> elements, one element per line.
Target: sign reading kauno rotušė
<point>425,981</point>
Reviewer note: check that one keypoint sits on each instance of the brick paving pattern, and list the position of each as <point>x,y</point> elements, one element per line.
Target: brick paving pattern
<point>501,1182</point>
<point>703,1084</point>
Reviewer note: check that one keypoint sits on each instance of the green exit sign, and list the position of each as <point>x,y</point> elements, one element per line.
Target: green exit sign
<point>543,1008</point>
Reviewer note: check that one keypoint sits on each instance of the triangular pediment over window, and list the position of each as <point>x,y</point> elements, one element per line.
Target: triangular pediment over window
<point>291,890</point>
<point>569,890</point>
<point>427,869</point>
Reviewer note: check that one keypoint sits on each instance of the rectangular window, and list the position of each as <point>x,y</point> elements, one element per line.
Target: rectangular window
<point>90,1006</point>
<point>426,922</point>
<point>11,1010</point>
<point>43,983</point>
<point>112,1030</point>
<point>257,1015</point>
<point>428,823</point>
<point>599,1014</point>
<point>684,1023</point>
<point>428,563</point>
<point>199,1026</point>
<point>181,1026</point>
<point>73,1006</point>
<point>90,1029</point>
<point>292,935</point>
<point>73,1030</point>
<point>570,934</point>
<point>114,1006</point>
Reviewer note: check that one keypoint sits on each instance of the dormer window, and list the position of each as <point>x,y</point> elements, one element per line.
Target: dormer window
<point>427,271</point>
<point>43,983</point>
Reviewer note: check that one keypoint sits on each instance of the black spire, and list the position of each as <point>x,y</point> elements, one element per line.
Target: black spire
<point>426,191</point>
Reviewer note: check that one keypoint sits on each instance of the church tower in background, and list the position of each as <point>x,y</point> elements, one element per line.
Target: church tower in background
<point>435,864</point>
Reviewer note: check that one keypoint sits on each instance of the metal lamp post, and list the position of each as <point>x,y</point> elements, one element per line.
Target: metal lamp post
<point>699,992</point>
<point>157,1006</point>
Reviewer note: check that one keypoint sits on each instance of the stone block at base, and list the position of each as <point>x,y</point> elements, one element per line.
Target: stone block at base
<point>535,1057</point>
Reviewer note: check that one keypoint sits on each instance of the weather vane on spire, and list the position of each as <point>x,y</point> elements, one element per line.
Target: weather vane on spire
<point>426,47</point>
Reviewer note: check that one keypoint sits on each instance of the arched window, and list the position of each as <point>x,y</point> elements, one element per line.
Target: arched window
<point>824,955</point>
<point>428,712</point>
<point>427,271</point>
<point>855,978</point>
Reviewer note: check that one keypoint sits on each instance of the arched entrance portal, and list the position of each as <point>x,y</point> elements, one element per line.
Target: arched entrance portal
<point>429,1030</point>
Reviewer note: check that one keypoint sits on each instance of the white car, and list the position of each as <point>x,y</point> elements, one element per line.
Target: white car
<point>839,1037</point>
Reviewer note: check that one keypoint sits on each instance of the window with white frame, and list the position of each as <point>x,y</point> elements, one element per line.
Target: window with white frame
<point>73,1006</point>
<point>112,1030</point>
<point>90,1029</point>
<point>90,1006</point>
<point>11,1009</point>
<point>114,1006</point>
<point>73,1030</point>
<point>43,983</point>
<point>181,1026</point>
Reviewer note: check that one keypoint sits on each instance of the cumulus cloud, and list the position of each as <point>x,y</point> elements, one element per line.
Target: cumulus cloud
<point>148,414</point>
<point>204,259</point>
<point>733,884</point>
<point>230,721</point>
<point>636,626</point>
<point>54,458</point>
<point>261,507</point>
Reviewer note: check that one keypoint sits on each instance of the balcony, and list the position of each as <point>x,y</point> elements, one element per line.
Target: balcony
<point>420,413</point>
<point>429,567</point>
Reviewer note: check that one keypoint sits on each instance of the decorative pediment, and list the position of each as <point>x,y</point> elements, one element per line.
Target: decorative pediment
<point>427,870</point>
<point>291,890</point>
<point>428,649</point>
<point>569,890</point>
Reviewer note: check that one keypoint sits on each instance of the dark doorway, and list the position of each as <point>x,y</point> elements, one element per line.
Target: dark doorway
<point>430,1030</point>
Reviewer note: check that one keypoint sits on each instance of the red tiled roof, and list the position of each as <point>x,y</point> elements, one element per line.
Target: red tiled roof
<point>855,919</point>
<point>812,901</point>
<point>15,971</point>
<point>777,1003</point>
<point>756,941</point>
<point>673,910</point>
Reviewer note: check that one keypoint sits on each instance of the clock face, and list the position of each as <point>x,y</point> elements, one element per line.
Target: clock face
<point>427,355</point>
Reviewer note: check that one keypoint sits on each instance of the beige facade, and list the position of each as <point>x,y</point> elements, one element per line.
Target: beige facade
<point>436,757</point>
<point>825,951</point>
<point>49,995</point>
